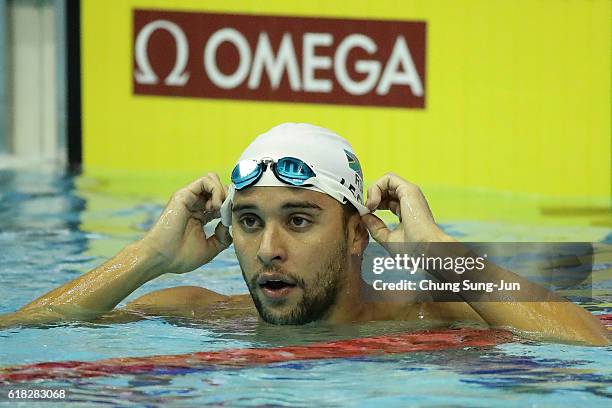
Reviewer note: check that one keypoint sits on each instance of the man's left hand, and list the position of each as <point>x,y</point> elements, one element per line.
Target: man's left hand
<point>407,202</point>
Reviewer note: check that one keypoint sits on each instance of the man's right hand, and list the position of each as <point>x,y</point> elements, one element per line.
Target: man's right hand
<point>178,235</point>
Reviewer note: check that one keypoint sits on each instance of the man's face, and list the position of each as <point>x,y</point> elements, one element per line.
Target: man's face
<point>291,245</point>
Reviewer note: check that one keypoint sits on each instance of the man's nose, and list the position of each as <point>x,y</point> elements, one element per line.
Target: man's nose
<point>271,246</point>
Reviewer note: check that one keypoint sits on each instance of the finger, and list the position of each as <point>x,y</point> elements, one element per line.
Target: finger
<point>223,234</point>
<point>391,205</point>
<point>377,228</point>
<point>394,206</point>
<point>375,196</point>
<point>383,188</point>
<point>392,187</point>
<point>207,190</point>
<point>207,216</point>
<point>217,195</point>
<point>222,189</point>
<point>196,194</point>
<point>386,203</point>
<point>221,239</point>
<point>200,216</point>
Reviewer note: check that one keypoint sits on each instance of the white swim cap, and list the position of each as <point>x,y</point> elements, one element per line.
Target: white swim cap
<point>331,157</point>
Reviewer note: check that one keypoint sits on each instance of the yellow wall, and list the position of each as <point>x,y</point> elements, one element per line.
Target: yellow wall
<point>517,123</point>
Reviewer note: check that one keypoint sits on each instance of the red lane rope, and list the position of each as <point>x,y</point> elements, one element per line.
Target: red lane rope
<point>606,320</point>
<point>180,363</point>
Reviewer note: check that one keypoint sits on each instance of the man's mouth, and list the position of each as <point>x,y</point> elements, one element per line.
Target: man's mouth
<point>275,285</point>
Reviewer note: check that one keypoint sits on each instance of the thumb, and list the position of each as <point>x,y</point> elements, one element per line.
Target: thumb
<point>377,228</point>
<point>221,239</point>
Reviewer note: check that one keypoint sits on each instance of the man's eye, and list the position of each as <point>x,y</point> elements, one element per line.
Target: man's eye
<point>249,221</point>
<point>299,222</point>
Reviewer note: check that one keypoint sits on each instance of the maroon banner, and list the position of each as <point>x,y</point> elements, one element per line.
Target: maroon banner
<point>272,58</point>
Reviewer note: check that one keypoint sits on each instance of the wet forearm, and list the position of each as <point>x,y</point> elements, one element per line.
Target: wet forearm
<point>534,310</point>
<point>563,321</point>
<point>96,292</point>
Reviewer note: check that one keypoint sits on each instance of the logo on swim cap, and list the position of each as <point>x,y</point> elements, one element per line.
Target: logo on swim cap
<point>353,162</point>
<point>357,187</point>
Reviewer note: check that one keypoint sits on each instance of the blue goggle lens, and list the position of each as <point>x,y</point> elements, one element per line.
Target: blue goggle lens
<point>246,173</point>
<point>293,171</point>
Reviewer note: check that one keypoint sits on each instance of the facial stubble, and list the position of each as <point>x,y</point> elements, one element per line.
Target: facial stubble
<point>318,297</point>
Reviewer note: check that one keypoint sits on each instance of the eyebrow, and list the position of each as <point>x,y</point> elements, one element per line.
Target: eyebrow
<point>287,206</point>
<point>300,205</point>
<point>242,207</point>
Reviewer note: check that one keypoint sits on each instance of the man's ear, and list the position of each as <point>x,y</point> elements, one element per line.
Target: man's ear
<point>361,237</point>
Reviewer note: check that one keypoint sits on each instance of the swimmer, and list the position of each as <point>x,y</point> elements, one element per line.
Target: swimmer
<point>300,226</point>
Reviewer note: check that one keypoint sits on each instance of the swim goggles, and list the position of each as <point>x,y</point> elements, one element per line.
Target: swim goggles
<point>291,171</point>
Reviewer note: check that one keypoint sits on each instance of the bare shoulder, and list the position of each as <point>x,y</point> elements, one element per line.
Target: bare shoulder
<point>179,299</point>
<point>452,312</point>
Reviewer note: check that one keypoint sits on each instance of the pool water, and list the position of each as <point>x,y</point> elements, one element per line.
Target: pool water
<point>50,233</point>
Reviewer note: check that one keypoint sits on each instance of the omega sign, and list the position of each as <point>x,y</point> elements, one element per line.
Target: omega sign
<point>271,58</point>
